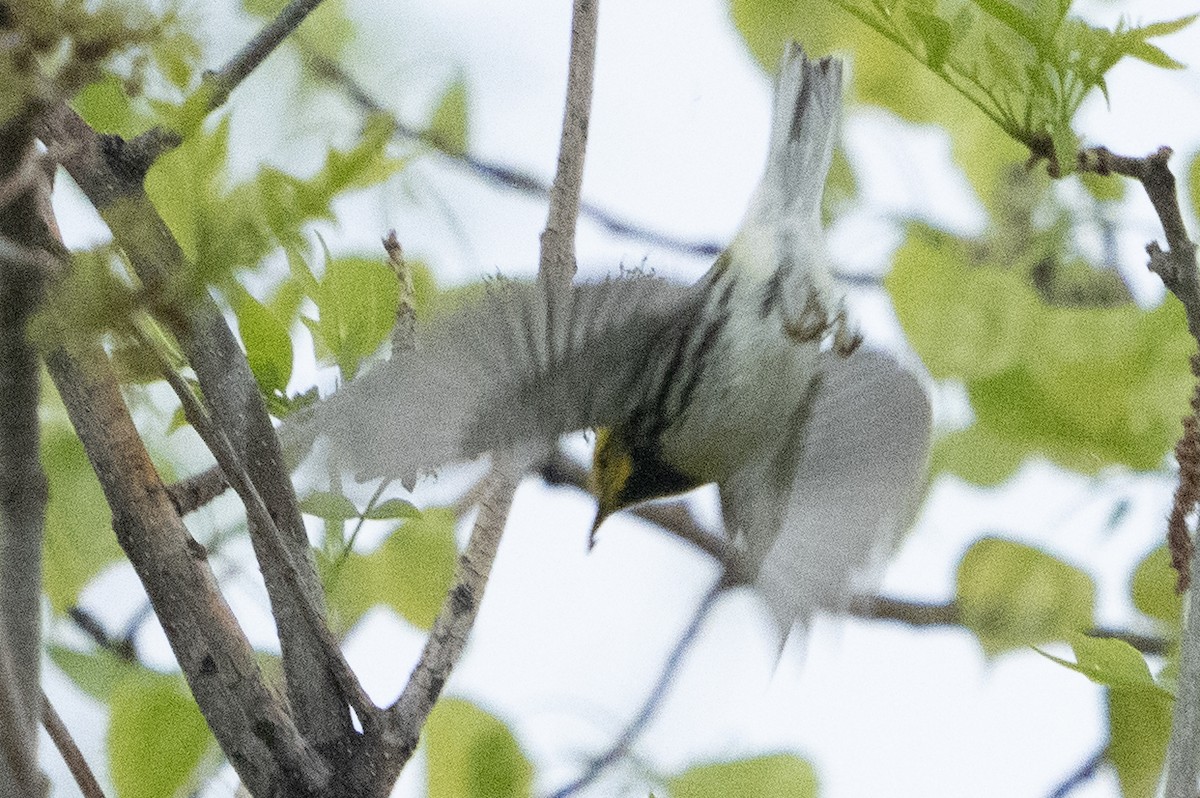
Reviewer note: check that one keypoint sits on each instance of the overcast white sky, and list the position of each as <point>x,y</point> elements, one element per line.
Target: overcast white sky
<point>568,643</point>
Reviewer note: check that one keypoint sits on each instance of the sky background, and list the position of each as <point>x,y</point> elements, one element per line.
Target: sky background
<point>568,642</point>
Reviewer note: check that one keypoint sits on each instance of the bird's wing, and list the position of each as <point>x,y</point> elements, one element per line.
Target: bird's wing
<point>489,375</point>
<point>861,460</point>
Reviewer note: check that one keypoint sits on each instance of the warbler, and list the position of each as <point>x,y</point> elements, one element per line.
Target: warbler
<point>752,378</point>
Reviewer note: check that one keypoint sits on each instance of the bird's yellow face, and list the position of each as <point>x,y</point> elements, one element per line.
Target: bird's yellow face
<point>625,474</point>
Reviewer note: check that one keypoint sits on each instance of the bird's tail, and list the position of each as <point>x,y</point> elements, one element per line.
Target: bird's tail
<point>808,104</point>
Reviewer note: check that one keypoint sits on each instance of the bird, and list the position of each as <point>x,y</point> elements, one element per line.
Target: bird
<point>752,378</point>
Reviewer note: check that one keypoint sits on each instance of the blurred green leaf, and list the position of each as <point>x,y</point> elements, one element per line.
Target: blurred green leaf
<point>105,106</point>
<point>449,124</point>
<point>328,506</point>
<point>1153,589</point>
<point>410,572</point>
<point>1110,662</point>
<point>1086,386</point>
<point>96,673</point>
<point>472,754</point>
<point>965,322</point>
<point>357,300</point>
<point>79,538</point>
<point>268,344</point>
<point>978,455</point>
<point>1139,724</point>
<point>1194,183</point>
<point>156,736</point>
<point>1011,595</point>
<point>773,776</point>
<point>393,508</point>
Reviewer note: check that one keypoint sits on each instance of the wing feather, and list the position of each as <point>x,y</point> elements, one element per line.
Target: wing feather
<point>486,376</point>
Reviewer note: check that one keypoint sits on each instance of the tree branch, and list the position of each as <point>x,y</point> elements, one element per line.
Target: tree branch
<point>556,267</point>
<point>503,175</point>
<point>101,167</point>
<point>65,743</point>
<point>625,740</point>
<point>1178,269</point>
<point>248,719</point>
<point>256,511</point>
<point>450,631</point>
<point>224,80</point>
<point>192,493</point>
<point>23,486</point>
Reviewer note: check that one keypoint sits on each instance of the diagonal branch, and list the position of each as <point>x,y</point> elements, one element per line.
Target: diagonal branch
<point>246,716</point>
<point>448,637</point>
<point>103,169</point>
<point>504,175</point>
<point>221,82</point>
<point>256,511</point>
<point>65,743</point>
<point>629,735</point>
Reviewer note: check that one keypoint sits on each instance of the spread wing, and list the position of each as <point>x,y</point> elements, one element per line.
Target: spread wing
<point>856,466</point>
<point>490,375</point>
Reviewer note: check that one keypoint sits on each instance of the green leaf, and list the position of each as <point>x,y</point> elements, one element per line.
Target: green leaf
<point>156,736</point>
<point>1011,595</point>
<point>773,776</point>
<point>1194,183</point>
<point>937,36</point>
<point>268,344</point>
<point>472,754</point>
<point>1110,662</point>
<point>978,454</point>
<point>393,508</point>
<point>411,572</point>
<point>104,105</point>
<point>357,301</point>
<point>964,322</point>
<point>79,539</point>
<point>1139,724</point>
<point>1153,590</point>
<point>96,673</point>
<point>328,506</point>
<point>449,124</point>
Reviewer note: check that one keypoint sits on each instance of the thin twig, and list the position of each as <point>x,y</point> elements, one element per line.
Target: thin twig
<point>406,311</point>
<point>625,740</point>
<point>556,266</point>
<point>257,513</point>
<point>192,493</point>
<point>1082,775</point>
<point>65,743</point>
<point>450,631</point>
<point>503,175</point>
<point>224,80</point>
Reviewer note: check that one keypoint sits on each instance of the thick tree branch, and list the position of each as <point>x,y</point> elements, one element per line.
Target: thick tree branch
<point>65,743</point>
<point>256,511</point>
<point>248,719</point>
<point>23,491</point>
<point>102,168</point>
<point>224,80</point>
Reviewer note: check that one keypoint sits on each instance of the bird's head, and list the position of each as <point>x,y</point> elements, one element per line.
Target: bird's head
<point>625,473</point>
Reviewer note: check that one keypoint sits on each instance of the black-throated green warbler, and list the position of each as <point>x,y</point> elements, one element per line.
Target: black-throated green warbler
<point>751,378</point>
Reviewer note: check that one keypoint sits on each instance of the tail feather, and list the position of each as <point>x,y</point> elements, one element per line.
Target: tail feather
<point>808,103</point>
